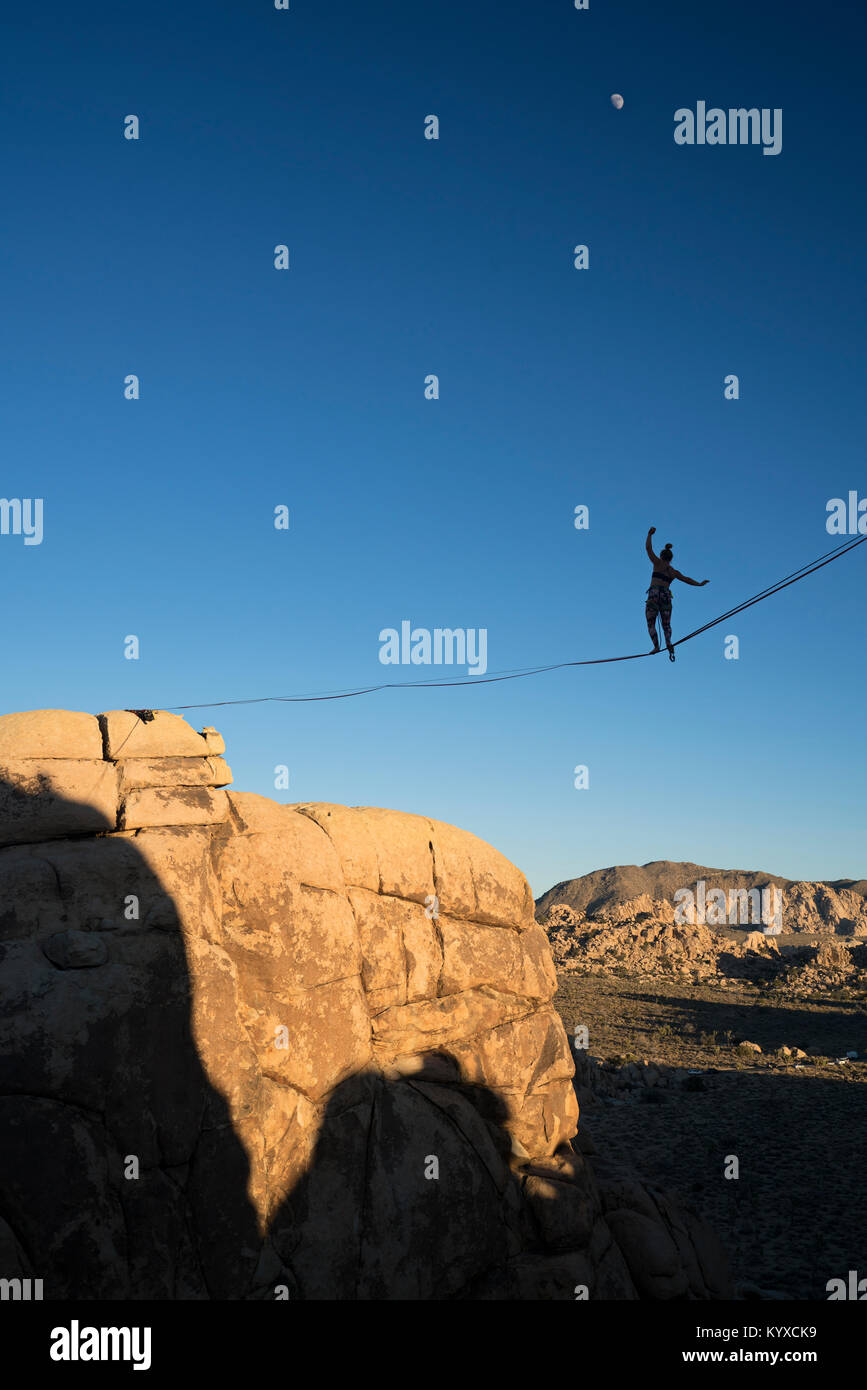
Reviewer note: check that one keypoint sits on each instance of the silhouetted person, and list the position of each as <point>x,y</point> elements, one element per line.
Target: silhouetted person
<point>659,594</point>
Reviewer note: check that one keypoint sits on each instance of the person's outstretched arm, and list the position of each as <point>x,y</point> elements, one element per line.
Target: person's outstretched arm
<point>699,583</point>
<point>649,548</point>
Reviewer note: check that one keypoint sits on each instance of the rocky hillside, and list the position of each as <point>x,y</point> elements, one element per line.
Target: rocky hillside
<point>642,939</point>
<point>257,1051</point>
<point>839,906</point>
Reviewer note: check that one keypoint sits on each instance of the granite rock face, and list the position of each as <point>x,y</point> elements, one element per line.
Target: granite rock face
<point>250,1050</point>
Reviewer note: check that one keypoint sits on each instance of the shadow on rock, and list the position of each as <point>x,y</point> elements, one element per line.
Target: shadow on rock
<point>122,1174</point>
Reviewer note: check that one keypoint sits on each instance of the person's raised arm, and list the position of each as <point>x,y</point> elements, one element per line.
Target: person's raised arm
<point>699,583</point>
<point>649,548</point>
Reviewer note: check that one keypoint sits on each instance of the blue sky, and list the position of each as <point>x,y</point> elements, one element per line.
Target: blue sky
<point>557,387</point>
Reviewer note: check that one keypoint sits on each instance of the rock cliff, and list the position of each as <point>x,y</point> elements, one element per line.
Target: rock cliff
<point>261,1051</point>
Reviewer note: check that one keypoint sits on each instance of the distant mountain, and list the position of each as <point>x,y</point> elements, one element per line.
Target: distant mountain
<point>660,880</point>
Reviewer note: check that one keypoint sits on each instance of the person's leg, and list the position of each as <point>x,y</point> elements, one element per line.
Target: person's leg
<point>650,611</point>
<point>665,614</point>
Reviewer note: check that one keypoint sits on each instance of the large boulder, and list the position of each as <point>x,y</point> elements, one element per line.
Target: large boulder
<point>250,1050</point>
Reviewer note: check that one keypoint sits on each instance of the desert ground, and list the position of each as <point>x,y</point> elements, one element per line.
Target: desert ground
<point>677,1092</point>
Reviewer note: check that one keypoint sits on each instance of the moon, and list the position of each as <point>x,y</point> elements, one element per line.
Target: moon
<point>617,101</point>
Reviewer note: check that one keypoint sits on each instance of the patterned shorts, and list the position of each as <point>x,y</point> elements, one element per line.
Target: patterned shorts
<point>659,598</point>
